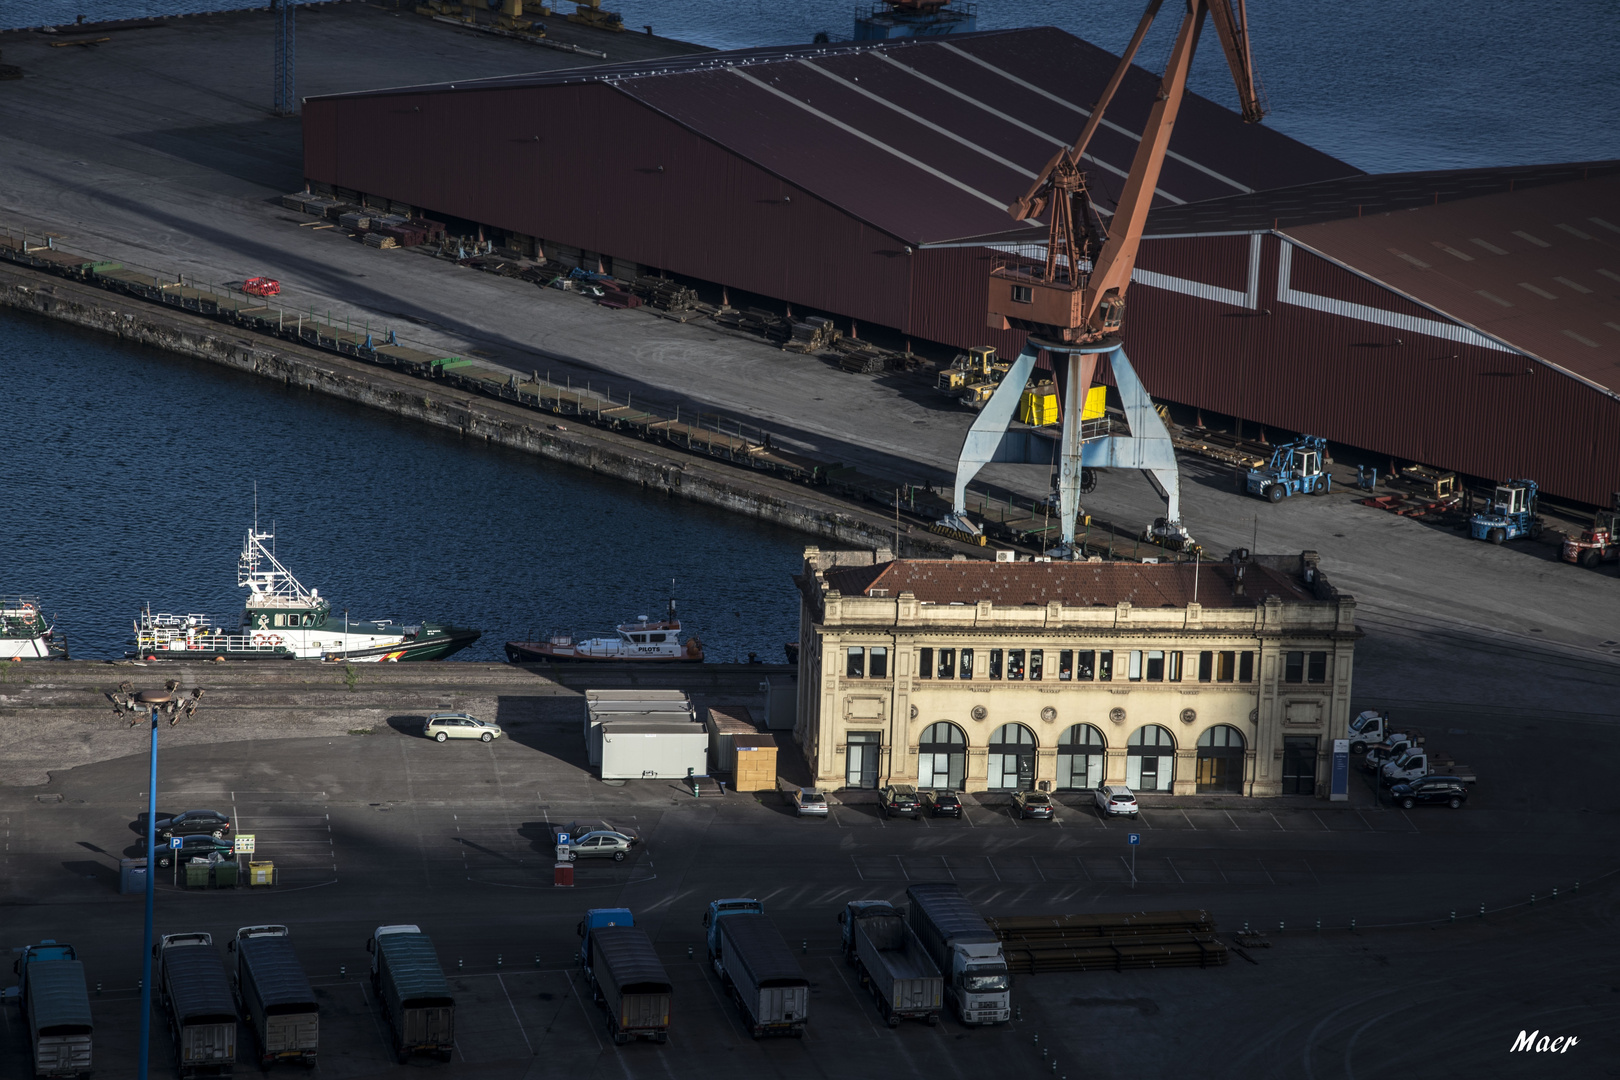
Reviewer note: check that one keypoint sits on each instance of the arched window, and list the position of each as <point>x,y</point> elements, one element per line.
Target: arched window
<point>941,757</point>
<point>1150,759</point>
<point>1080,758</point>
<point>1012,759</point>
<point>1220,759</point>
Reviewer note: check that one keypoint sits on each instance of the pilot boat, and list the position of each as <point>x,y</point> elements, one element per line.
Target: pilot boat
<point>642,641</point>
<point>282,620</point>
<point>24,634</point>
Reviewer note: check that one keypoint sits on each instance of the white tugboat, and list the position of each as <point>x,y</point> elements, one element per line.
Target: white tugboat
<point>642,641</point>
<point>24,634</point>
<point>283,620</point>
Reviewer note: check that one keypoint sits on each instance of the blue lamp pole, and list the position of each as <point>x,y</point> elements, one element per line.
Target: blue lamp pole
<point>153,700</point>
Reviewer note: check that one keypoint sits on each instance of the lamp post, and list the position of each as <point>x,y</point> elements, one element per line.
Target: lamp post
<point>153,700</point>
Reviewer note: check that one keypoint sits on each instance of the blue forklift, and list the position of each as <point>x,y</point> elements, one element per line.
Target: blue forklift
<point>1295,468</point>
<point>1511,514</point>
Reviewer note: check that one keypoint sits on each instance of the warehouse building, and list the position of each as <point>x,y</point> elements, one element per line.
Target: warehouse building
<point>868,181</point>
<point>1228,677</point>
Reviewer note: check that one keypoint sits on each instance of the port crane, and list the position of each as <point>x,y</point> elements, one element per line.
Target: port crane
<point>1069,294</point>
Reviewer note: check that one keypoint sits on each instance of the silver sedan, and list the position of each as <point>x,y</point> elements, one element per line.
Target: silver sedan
<point>603,843</point>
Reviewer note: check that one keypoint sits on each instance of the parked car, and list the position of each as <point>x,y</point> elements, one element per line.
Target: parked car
<point>809,803</point>
<point>1033,804</point>
<point>602,844</point>
<point>458,725</point>
<point>1430,789</point>
<point>194,823</point>
<point>899,799</point>
<point>942,803</point>
<point>1115,799</point>
<point>195,847</point>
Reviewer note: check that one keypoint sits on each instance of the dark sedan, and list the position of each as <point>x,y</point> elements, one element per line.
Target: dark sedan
<point>943,803</point>
<point>1033,804</point>
<point>195,823</point>
<point>1430,789</point>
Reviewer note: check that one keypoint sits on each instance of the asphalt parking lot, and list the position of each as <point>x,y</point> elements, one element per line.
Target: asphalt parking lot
<point>458,839</point>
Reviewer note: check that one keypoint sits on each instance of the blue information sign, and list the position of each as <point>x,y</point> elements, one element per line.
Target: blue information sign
<point>1136,838</point>
<point>1339,790</point>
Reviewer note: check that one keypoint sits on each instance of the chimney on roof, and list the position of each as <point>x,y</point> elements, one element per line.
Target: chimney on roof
<point>1308,561</point>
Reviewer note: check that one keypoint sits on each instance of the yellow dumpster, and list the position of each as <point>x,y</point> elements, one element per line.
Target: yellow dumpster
<point>1039,405</point>
<point>261,873</point>
<point>1096,403</point>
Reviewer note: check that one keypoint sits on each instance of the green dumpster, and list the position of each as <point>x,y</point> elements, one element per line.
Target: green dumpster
<point>225,875</point>
<point>197,875</point>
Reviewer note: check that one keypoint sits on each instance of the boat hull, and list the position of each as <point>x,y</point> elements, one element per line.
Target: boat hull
<point>540,652</point>
<point>437,647</point>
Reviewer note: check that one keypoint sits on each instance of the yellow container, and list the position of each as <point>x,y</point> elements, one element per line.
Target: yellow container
<point>1096,403</point>
<point>261,873</point>
<point>1039,405</point>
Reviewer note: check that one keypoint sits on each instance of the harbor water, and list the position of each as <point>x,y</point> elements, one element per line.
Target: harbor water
<point>130,481</point>
<point>1387,85</point>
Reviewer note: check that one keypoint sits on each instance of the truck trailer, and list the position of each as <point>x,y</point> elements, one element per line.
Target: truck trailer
<point>415,997</point>
<point>893,963</point>
<point>760,971</point>
<point>275,996</point>
<point>52,995</point>
<point>196,995</point>
<point>965,949</point>
<point>629,983</point>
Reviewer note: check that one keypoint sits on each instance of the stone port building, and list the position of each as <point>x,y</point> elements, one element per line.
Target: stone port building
<point>1228,676</point>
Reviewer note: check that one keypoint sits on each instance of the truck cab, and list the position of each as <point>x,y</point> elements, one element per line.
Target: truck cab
<point>1397,744</point>
<point>1420,762</point>
<point>1510,515</point>
<point>719,909</point>
<point>854,910</point>
<point>47,949</point>
<point>595,919</point>
<point>979,982</point>
<point>1368,729</point>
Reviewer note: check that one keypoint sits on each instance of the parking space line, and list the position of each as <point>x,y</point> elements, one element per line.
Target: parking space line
<point>1187,819</point>
<point>590,1021</point>
<point>866,1013</point>
<point>1314,878</point>
<point>1363,820</point>
<point>515,1015</point>
<point>992,864</point>
<point>1232,819</point>
<point>901,863</point>
<point>1410,822</point>
<point>1273,817</point>
<point>1037,866</point>
<point>1078,861</point>
<point>1176,872</point>
<point>855,863</point>
<point>1320,822</point>
<point>1262,864</point>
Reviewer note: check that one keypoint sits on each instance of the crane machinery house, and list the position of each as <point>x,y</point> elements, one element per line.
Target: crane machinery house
<point>1184,678</point>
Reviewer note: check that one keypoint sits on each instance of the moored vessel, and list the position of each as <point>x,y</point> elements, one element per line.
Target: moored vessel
<point>282,620</point>
<point>642,641</point>
<point>24,633</point>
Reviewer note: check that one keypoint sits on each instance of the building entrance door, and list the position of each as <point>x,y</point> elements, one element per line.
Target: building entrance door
<point>1299,765</point>
<point>1011,759</point>
<point>942,757</point>
<point>861,759</point>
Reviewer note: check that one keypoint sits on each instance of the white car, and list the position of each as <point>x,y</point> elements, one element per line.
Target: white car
<point>1115,799</point>
<point>808,802</point>
<point>443,726</point>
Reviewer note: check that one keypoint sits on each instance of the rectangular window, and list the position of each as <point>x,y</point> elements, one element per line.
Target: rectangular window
<point>1294,669</point>
<point>1206,667</point>
<point>1175,667</point>
<point>1085,666</point>
<point>1246,668</point>
<point>1155,666</point>
<point>1065,665</point>
<point>855,667</point>
<point>1225,666</point>
<point>1105,666</point>
<point>1317,672</point>
<point>947,663</point>
<point>1136,665</point>
<point>925,663</point>
<point>967,663</point>
<point>878,662</point>
<point>995,664</point>
<point>1037,660</point>
<point>1022,294</point>
<point>1015,663</point>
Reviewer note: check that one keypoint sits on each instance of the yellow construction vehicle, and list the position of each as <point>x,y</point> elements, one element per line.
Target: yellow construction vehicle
<point>973,376</point>
<point>590,13</point>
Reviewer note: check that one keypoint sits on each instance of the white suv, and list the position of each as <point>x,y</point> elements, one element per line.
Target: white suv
<point>1115,799</point>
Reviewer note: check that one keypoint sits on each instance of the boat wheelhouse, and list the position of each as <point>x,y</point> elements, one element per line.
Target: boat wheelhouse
<point>24,633</point>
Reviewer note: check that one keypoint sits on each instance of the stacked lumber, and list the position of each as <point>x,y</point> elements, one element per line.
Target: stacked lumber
<point>756,321</point>
<point>812,335</point>
<point>664,294</point>
<point>613,297</point>
<point>864,358</point>
<point>355,220</point>
<point>380,240</point>
<point>1109,942</point>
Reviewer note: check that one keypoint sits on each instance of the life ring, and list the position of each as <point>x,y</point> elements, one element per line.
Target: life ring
<point>273,640</point>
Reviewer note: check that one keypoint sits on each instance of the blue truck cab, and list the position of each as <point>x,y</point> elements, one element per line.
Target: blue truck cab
<point>854,910</point>
<point>1510,515</point>
<point>1295,468</point>
<point>595,919</point>
<point>719,909</point>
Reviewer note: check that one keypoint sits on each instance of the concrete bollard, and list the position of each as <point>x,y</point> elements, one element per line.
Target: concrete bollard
<point>1279,926</point>
<point>1037,1038</point>
<point>497,960</point>
<point>1352,924</point>
<point>689,952</point>
<point>805,947</point>
<point>1555,892</point>
<point>459,963</point>
<point>343,971</point>
<point>98,988</point>
<point>536,959</point>
<point>1532,899</point>
<point>1482,911</point>
<point>1018,1012</point>
<point>1453,916</point>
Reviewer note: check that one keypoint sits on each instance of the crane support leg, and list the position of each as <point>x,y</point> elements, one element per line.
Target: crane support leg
<point>1148,447</point>
<point>984,438</point>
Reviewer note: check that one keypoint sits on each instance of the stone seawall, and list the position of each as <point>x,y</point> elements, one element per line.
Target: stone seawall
<point>768,498</point>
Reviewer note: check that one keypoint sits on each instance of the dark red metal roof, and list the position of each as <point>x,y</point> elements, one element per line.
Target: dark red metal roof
<point>930,139</point>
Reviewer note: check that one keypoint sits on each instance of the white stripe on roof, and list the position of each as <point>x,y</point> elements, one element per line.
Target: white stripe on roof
<point>930,125</point>
<point>880,144</point>
<point>1109,124</point>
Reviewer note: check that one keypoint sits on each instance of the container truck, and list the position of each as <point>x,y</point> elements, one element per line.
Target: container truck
<point>721,909</point>
<point>415,997</point>
<point>629,982</point>
<point>275,996</point>
<point>965,949</point>
<point>594,920</point>
<point>51,993</point>
<point>892,962</point>
<point>761,973</point>
<point>196,995</point>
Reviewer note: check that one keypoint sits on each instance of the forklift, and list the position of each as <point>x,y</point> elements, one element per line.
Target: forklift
<point>1599,542</point>
<point>1295,468</point>
<point>1510,515</point>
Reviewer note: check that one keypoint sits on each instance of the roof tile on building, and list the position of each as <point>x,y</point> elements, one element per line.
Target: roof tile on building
<point>1073,584</point>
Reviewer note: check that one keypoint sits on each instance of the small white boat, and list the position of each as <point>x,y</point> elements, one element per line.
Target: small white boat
<point>24,633</point>
<point>642,641</point>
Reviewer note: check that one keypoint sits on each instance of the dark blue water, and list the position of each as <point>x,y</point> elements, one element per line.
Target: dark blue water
<point>129,480</point>
<point>1386,85</point>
